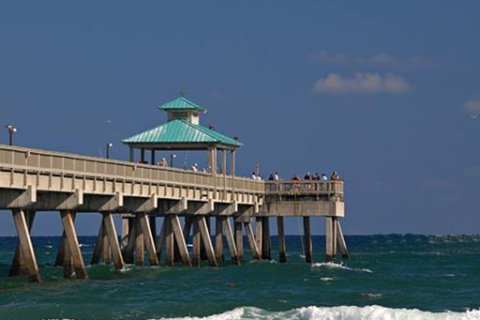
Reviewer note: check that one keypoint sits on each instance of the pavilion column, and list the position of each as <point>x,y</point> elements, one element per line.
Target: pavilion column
<point>232,174</point>
<point>224,162</point>
<point>224,172</point>
<point>142,155</point>
<point>212,160</point>
<point>132,154</point>
<point>153,157</point>
<point>232,163</point>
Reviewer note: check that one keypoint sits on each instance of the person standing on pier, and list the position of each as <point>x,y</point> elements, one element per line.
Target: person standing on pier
<point>335,176</point>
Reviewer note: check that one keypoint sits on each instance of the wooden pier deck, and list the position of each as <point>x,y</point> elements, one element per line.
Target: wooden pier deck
<point>33,180</point>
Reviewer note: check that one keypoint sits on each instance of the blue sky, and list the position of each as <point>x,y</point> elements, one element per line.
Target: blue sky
<point>384,92</point>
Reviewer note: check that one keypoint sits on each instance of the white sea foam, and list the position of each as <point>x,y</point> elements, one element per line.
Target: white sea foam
<point>372,295</point>
<point>332,265</point>
<point>326,279</point>
<point>381,313</point>
<point>448,275</point>
<point>338,313</point>
<point>237,313</point>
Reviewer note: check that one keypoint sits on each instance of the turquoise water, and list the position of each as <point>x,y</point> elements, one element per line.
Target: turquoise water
<point>386,277</point>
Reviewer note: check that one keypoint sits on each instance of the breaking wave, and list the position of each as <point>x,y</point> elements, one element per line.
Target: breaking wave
<point>338,313</point>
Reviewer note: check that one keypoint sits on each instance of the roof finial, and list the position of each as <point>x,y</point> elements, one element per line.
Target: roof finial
<point>183,92</point>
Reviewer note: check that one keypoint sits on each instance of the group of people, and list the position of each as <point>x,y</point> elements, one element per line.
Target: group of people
<point>308,177</point>
<point>273,176</point>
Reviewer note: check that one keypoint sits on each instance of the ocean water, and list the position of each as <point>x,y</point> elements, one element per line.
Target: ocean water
<point>386,277</point>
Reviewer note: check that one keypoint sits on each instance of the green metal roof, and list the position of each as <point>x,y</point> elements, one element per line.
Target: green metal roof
<point>181,103</point>
<point>181,131</point>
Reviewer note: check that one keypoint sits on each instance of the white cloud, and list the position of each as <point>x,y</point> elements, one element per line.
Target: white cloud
<point>362,83</point>
<point>381,59</point>
<point>473,107</point>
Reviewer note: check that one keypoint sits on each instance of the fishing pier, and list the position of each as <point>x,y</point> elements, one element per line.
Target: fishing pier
<point>140,191</point>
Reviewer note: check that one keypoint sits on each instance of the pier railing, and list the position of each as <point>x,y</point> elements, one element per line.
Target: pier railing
<point>46,166</point>
<point>304,187</point>
<point>56,171</point>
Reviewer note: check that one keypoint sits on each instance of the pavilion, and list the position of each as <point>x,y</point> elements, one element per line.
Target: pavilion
<point>183,132</point>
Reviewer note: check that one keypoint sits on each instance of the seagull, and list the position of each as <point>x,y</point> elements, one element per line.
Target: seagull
<point>473,116</point>
<point>109,121</point>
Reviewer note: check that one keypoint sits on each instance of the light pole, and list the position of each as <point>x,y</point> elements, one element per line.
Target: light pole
<point>108,146</point>
<point>172,156</point>
<point>11,130</point>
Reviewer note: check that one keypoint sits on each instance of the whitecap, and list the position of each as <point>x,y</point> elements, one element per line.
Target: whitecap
<point>372,295</point>
<point>380,313</point>
<point>332,265</point>
<point>326,279</point>
<point>448,275</point>
<point>373,312</point>
<point>234,314</point>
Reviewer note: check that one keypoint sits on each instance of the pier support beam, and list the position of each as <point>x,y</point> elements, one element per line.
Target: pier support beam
<point>106,250</point>
<point>259,236</point>
<point>251,240</point>
<point>148,238</point>
<point>341,240</point>
<point>196,243</point>
<point>26,253</point>
<point>232,247</point>
<point>111,235</point>
<point>239,239</point>
<point>180,240</point>
<point>219,237</point>
<point>73,245</point>
<point>330,238</point>
<point>307,240</point>
<point>282,257</point>
<point>266,242</point>
<point>64,258</point>
<point>152,221</point>
<point>169,241</point>
<point>161,240</point>
<point>62,251</point>
<point>187,227</point>
<point>206,240</point>
<point>130,248</point>
<point>139,244</point>
<point>98,252</point>
<point>19,266</point>
<point>203,250</point>
<point>125,232</point>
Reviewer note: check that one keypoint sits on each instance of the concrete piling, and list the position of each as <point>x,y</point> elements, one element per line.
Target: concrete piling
<point>27,254</point>
<point>282,256</point>
<point>307,236</point>
<point>73,245</point>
